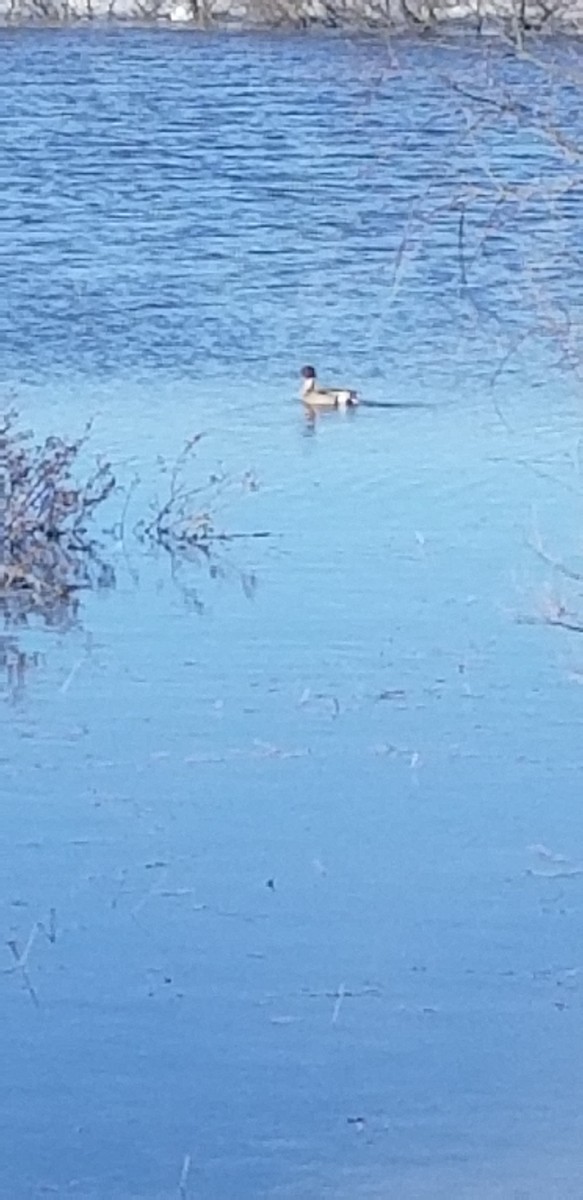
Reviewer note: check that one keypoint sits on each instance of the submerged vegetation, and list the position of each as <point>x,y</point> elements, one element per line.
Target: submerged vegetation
<point>53,543</point>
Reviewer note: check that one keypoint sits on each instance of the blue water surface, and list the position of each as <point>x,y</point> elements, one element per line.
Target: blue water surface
<point>292,849</point>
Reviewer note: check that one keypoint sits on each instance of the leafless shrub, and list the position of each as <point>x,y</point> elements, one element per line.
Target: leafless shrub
<point>184,523</point>
<point>512,201</point>
<point>52,548</point>
<point>47,552</point>
<point>518,258</point>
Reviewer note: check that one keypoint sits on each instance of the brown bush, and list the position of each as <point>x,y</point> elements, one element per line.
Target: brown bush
<point>47,502</point>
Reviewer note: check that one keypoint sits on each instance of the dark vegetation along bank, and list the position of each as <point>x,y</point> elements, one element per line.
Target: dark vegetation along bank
<point>419,15</point>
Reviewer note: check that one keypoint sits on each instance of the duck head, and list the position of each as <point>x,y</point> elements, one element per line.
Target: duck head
<point>308,375</point>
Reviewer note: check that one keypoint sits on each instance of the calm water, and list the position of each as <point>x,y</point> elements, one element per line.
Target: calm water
<point>312,933</point>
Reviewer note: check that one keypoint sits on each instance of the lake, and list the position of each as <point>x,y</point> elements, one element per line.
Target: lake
<point>292,883</point>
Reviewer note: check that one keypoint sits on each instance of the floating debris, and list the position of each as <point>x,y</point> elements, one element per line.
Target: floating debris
<point>558,867</point>
<point>358,1122</point>
<point>544,852</point>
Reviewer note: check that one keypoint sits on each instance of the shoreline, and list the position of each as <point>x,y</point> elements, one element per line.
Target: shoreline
<point>514,19</point>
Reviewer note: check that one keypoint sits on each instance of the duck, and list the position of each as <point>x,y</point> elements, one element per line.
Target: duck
<point>315,396</point>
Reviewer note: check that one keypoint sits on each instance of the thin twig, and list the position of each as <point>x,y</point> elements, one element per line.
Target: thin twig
<point>184,1177</point>
<point>338,1003</point>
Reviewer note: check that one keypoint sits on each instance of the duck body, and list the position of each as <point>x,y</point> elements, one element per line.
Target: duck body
<point>315,396</point>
